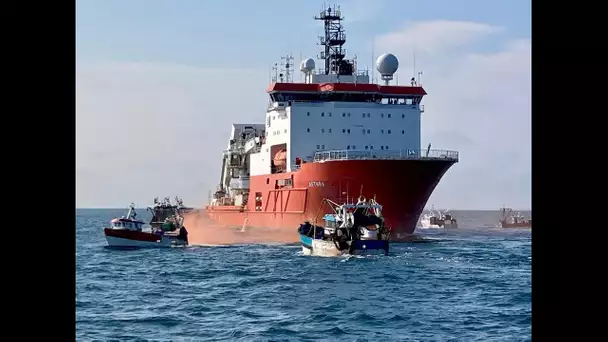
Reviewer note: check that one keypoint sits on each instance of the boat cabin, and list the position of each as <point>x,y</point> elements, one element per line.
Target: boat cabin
<point>126,224</point>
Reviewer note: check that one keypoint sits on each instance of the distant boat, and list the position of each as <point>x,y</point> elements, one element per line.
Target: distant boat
<point>351,229</point>
<point>438,219</point>
<point>127,232</point>
<point>510,220</point>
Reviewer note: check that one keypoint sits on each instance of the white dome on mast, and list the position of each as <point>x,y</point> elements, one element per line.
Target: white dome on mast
<point>387,64</point>
<point>307,65</point>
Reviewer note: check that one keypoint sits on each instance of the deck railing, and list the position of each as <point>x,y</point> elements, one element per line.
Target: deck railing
<point>408,154</point>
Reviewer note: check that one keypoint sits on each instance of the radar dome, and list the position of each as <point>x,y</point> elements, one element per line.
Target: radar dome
<point>387,64</point>
<point>307,65</point>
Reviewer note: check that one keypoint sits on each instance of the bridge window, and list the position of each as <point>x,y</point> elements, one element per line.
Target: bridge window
<point>348,131</point>
<point>329,114</point>
<point>389,116</point>
<point>371,147</point>
<point>382,115</point>
<point>403,116</point>
<point>318,147</point>
<point>354,147</point>
<point>363,115</point>
<point>368,115</point>
<point>323,146</point>
<point>267,180</point>
<point>382,131</point>
<point>307,113</point>
<point>366,147</point>
<point>343,114</point>
<point>322,130</point>
<point>308,130</point>
<point>402,131</point>
<point>330,130</point>
<point>322,114</point>
<point>348,147</point>
<point>368,131</point>
<point>386,147</point>
<point>343,130</point>
<point>382,147</point>
<point>363,131</point>
<point>389,131</point>
<point>348,114</point>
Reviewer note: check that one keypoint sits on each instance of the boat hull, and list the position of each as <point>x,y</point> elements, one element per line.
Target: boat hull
<point>323,248</point>
<point>445,225</point>
<point>516,225</point>
<point>402,186</point>
<point>133,239</point>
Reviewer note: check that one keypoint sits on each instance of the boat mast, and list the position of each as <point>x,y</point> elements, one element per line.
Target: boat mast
<point>334,39</point>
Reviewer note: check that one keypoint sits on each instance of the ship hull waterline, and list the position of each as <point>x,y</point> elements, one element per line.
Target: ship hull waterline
<point>402,186</point>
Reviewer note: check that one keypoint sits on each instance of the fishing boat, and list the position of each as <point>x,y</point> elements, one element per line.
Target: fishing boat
<point>438,219</point>
<point>510,220</point>
<point>181,208</point>
<point>128,232</point>
<point>162,209</point>
<point>351,229</point>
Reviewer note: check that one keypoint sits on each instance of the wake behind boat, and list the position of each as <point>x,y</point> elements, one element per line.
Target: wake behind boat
<point>127,232</point>
<point>351,229</point>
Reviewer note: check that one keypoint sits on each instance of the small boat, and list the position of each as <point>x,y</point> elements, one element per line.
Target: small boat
<point>510,220</point>
<point>438,219</point>
<point>181,208</point>
<point>351,229</point>
<point>127,232</point>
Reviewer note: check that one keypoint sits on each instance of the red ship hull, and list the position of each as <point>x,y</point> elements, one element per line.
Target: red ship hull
<point>401,186</point>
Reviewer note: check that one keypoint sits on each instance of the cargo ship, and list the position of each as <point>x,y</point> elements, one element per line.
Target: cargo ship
<point>336,135</point>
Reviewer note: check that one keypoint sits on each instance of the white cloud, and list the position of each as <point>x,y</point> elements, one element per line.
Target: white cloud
<point>478,103</point>
<point>359,11</point>
<point>435,36</point>
<point>146,130</point>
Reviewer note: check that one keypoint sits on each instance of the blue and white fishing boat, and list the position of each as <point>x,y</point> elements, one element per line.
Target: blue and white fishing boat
<point>351,229</point>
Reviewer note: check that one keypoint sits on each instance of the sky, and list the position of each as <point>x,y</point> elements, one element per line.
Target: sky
<point>159,83</point>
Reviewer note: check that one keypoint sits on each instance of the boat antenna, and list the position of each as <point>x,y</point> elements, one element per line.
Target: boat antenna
<point>333,40</point>
<point>373,69</point>
<point>286,68</point>
<point>414,61</point>
<point>275,67</point>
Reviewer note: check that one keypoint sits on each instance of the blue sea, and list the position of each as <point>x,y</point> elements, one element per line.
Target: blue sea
<point>473,284</point>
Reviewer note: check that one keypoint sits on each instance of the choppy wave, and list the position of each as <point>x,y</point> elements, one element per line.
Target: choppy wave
<point>474,285</point>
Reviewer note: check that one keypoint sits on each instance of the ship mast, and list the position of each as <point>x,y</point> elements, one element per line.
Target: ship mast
<point>334,39</point>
